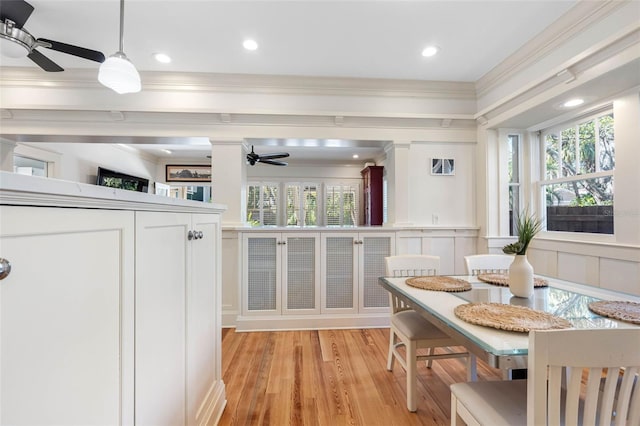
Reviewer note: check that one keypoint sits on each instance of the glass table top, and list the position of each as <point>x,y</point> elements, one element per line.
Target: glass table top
<point>566,304</point>
<point>564,299</point>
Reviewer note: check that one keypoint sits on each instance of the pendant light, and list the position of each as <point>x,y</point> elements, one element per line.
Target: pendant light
<point>117,72</point>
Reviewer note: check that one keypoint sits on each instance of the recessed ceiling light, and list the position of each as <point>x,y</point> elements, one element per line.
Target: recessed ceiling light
<point>250,44</point>
<point>573,103</point>
<point>356,156</point>
<point>430,51</point>
<point>163,58</point>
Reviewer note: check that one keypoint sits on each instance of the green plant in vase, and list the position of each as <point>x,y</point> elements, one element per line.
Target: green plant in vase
<point>521,271</point>
<point>527,226</point>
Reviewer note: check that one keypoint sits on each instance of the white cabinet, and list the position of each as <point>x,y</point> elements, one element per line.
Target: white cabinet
<point>304,279</point>
<point>281,273</point>
<point>110,314</point>
<point>66,315</point>
<point>351,266</point>
<point>177,325</point>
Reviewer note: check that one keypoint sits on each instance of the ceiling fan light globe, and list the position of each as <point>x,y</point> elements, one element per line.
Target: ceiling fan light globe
<point>119,74</point>
<point>12,49</point>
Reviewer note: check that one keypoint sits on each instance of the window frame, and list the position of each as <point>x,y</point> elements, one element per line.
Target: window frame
<point>515,182</point>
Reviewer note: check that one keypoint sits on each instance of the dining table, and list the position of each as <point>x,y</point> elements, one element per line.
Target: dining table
<point>501,348</point>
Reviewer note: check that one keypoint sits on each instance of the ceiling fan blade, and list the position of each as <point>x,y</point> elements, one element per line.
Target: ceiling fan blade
<point>274,155</point>
<point>17,11</point>
<point>92,55</point>
<point>273,162</point>
<point>44,62</point>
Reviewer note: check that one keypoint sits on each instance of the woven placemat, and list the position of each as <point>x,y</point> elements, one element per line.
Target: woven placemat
<point>439,283</point>
<point>509,317</point>
<point>620,310</point>
<point>503,280</point>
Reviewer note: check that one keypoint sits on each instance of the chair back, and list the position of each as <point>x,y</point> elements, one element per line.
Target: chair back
<point>599,365</point>
<point>409,266</point>
<point>487,263</point>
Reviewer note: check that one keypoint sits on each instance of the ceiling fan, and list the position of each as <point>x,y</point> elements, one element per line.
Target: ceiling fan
<point>254,158</point>
<point>16,41</point>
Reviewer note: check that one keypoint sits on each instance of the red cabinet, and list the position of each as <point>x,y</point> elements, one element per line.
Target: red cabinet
<point>372,194</point>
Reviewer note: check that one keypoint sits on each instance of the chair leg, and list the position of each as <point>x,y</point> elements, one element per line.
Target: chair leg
<point>430,361</point>
<point>472,371</point>
<point>412,379</point>
<point>454,410</point>
<point>390,357</point>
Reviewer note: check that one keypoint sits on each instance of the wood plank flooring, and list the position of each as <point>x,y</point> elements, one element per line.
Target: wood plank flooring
<point>330,377</point>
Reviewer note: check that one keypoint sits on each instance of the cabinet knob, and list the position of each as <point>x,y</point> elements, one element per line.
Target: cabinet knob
<point>5,268</point>
<point>195,235</point>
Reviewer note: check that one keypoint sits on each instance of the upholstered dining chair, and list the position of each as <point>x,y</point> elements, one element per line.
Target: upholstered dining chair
<point>576,377</point>
<point>487,263</point>
<point>411,330</point>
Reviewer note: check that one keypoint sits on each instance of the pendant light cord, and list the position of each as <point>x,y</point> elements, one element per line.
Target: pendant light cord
<point>121,26</point>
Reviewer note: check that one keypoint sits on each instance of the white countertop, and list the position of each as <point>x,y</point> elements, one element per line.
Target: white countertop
<point>16,189</point>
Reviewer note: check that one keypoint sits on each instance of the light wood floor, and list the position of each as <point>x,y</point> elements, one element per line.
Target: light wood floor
<point>330,377</point>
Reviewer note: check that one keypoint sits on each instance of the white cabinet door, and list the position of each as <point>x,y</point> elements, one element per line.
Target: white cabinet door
<point>177,318</point>
<point>339,273</point>
<point>66,315</point>
<point>262,274</point>
<point>300,273</point>
<point>373,248</point>
<point>203,318</point>
<point>161,302</point>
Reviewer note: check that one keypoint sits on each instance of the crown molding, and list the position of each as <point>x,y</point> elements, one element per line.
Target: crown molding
<point>574,21</point>
<point>245,83</point>
<point>70,119</point>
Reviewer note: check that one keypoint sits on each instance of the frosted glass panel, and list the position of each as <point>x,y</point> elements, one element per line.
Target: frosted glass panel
<point>375,250</point>
<point>262,269</point>
<point>301,283</point>
<point>339,272</point>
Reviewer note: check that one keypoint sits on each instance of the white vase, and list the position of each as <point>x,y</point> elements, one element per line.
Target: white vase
<point>521,277</point>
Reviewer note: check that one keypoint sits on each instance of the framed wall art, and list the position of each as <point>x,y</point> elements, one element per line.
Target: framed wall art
<point>188,173</point>
<point>443,166</point>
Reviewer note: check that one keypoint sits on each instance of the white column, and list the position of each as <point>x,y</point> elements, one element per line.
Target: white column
<point>398,185</point>
<point>626,205</point>
<point>228,180</point>
<point>487,187</point>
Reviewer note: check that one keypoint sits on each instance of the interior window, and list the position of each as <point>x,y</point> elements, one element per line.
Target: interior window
<point>262,204</point>
<point>29,166</point>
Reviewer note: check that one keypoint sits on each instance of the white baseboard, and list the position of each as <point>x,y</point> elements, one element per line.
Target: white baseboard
<point>229,318</point>
<point>212,408</point>
<point>310,322</point>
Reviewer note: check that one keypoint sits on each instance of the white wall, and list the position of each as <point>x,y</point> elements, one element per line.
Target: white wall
<point>79,162</point>
<point>442,200</point>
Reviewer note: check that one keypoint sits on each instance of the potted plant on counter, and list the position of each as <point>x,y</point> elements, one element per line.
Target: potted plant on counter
<point>521,271</point>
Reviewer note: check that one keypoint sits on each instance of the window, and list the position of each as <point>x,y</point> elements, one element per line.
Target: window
<point>514,181</point>
<point>341,203</point>
<point>578,175</point>
<point>303,204</point>
<point>29,166</point>
<point>262,204</point>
